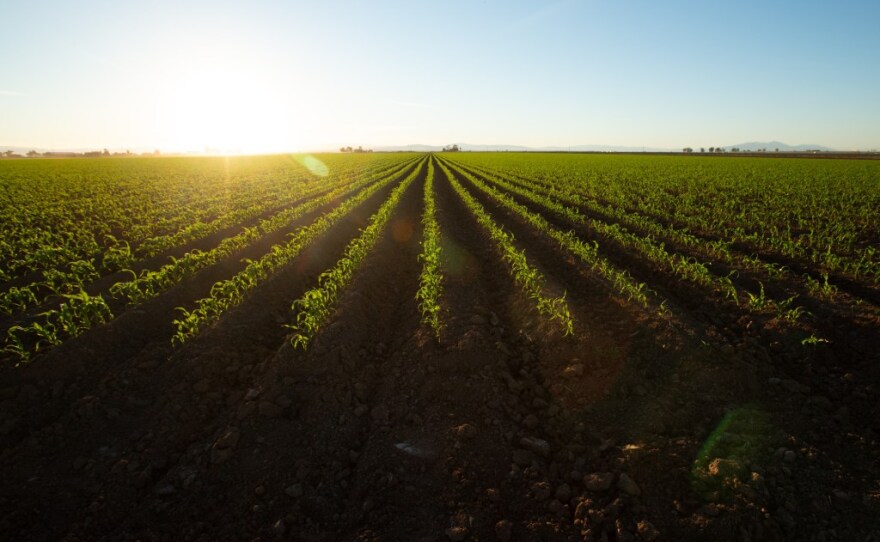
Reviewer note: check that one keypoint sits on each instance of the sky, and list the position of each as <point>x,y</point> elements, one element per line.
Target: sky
<point>261,76</point>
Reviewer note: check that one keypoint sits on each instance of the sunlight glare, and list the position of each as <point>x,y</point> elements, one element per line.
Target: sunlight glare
<point>221,106</point>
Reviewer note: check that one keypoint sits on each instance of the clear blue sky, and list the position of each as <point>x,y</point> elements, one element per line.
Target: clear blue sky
<point>286,75</point>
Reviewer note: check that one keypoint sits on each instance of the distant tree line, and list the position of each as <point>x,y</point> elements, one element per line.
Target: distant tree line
<point>711,149</point>
<point>451,148</point>
<point>61,154</point>
<point>737,149</point>
<point>359,149</point>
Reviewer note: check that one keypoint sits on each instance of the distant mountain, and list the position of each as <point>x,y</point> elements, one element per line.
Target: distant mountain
<point>771,146</point>
<point>41,150</point>
<point>605,148</point>
<point>519,148</point>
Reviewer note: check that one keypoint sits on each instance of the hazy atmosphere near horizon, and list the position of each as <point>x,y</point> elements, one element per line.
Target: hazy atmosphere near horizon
<point>282,76</point>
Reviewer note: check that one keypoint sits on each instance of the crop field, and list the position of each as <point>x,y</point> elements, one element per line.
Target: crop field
<point>464,346</point>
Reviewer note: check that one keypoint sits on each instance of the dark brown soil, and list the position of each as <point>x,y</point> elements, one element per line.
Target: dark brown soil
<point>639,427</point>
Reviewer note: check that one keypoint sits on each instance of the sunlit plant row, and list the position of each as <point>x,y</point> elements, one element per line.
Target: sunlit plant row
<point>151,283</point>
<point>57,281</point>
<point>113,210</point>
<point>297,190</point>
<point>230,293</point>
<point>79,313</point>
<point>55,270</point>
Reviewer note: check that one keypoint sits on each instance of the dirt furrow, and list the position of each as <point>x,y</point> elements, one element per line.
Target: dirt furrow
<point>306,433</point>
<point>681,388</point>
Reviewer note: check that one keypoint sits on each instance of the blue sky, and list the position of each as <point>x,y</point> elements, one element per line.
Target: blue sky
<point>273,76</point>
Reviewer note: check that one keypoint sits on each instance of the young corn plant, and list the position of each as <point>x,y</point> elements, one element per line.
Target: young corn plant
<point>759,301</point>
<point>821,289</point>
<point>786,311</point>
<point>118,254</point>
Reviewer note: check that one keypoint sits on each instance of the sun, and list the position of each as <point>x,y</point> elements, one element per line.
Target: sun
<point>223,106</point>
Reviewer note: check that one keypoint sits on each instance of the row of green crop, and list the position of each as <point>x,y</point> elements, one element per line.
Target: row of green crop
<point>154,246</point>
<point>229,293</point>
<point>719,251</point>
<point>620,280</point>
<point>151,283</point>
<point>683,267</point>
<point>818,213</point>
<point>98,212</point>
<point>79,311</point>
<point>524,274</point>
<point>431,278</point>
<point>60,281</point>
<point>116,211</point>
<point>73,277</point>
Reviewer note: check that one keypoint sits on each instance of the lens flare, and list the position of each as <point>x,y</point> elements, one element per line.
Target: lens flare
<point>458,261</point>
<point>723,465</point>
<point>315,166</point>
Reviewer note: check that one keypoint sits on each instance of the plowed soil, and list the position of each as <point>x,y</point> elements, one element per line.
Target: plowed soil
<point>684,426</point>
